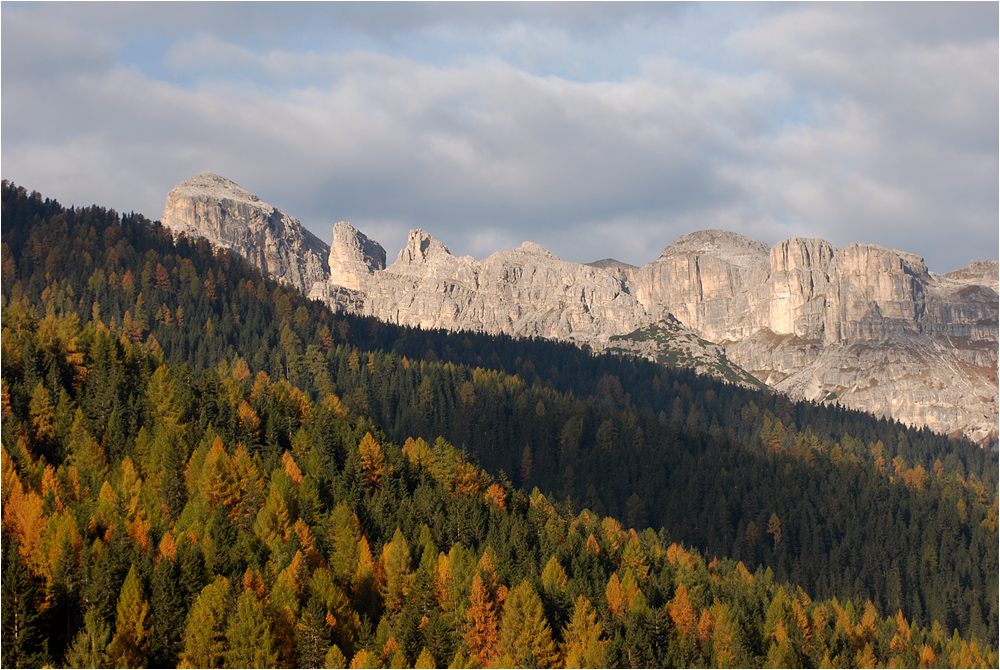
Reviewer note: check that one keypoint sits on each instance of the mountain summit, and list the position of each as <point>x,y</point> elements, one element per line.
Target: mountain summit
<point>228,216</point>
<point>865,326</point>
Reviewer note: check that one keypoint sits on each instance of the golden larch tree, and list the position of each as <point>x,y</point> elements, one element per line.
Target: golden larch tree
<point>482,624</point>
<point>525,635</point>
<point>399,576</point>
<point>583,644</point>
<point>128,647</point>
<point>372,462</point>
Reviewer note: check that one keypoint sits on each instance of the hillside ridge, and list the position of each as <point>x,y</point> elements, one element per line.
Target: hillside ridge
<point>865,326</point>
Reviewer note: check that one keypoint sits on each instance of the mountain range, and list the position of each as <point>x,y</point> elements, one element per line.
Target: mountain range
<point>864,326</point>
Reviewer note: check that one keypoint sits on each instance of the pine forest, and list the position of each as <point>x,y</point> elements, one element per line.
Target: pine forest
<point>202,468</point>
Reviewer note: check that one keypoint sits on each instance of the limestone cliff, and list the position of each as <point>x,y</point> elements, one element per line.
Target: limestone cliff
<point>525,292</point>
<point>217,209</point>
<point>865,326</point>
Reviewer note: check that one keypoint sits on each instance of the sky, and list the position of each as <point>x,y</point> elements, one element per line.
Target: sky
<point>596,130</point>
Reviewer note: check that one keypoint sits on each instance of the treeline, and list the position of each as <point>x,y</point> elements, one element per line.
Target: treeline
<point>838,502</point>
<point>203,546</point>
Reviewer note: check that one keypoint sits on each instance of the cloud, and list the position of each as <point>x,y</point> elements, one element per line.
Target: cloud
<point>902,140</point>
<point>843,122</point>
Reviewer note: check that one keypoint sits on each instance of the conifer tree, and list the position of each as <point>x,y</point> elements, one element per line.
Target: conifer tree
<point>205,630</point>
<point>525,635</point>
<point>372,462</point>
<point>614,596</point>
<point>399,576</point>
<point>725,637</point>
<point>249,640</point>
<point>774,528</point>
<point>272,524</point>
<point>583,646</point>
<point>443,582</point>
<point>682,613</point>
<point>90,646</point>
<point>334,658</point>
<point>482,624</point>
<point>554,578</point>
<point>128,647</point>
<point>218,482</point>
<point>343,532</point>
<point>167,608</point>
<point>425,660</point>
<point>367,591</point>
<point>313,634</point>
<point>22,637</point>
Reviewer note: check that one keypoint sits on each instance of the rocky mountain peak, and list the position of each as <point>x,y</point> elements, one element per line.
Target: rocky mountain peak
<point>209,185</point>
<point>537,250</point>
<point>611,264</point>
<point>421,247</point>
<point>984,273</point>
<point>231,217</point>
<point>353,256</point>
<point>871,259</point>
<point>725,245</point>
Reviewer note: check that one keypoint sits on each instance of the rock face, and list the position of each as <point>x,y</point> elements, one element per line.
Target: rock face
<point>353,257</point>
<point>523,292</point>
<point>865,326</point>
<point>217,209</point>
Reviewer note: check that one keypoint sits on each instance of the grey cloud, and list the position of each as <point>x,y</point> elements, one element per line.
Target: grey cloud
<point>35,50</point>
<point>484,154</point>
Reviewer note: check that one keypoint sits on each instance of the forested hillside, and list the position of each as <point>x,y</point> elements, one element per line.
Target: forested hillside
<point>186,441</point>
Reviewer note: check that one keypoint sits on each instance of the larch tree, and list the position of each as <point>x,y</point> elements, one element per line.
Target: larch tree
<point>425,660</point>
<point>554,579</point>
<point>482,623</point>
<point>372,462</point>
<point>682,613</point>
<point>583,646</point>
<point>272,524</point>
<point>527,465</point>
<point>634,559</point>
<point>249,640</point>
<point>525,634</point>
<point>443,582</point>
<point>334,658</point>
<point>774,528</point>
<point>614,596</point>
<point>367,580</point>
<point>399,576</point>
<point>725,636</point>
<point>343,532</point>
<point>128,647</point>
<point>205,631</point>
<point>218,482</point>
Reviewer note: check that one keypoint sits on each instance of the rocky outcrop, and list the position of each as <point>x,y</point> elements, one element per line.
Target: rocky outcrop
<point>353,257</point>
<point>524,292</point>
<point>864,326</point>
<point>219,210</point>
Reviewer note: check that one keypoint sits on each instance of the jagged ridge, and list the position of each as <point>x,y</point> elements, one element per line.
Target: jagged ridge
<point>866,326</point>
